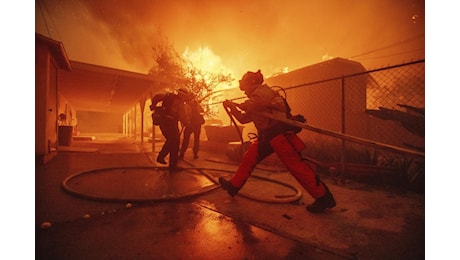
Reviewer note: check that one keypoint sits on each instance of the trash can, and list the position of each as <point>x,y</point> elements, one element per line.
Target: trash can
<point>65,135</point>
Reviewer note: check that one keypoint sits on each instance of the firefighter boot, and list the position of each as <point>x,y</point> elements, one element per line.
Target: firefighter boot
<point>327,201</point>
<point>226,185</point>
<point>161,160</point>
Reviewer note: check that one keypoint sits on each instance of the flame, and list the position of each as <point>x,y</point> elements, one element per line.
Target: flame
<point>206,61</point>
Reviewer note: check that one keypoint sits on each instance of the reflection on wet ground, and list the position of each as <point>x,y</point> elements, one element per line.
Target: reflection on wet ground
<point>116,203</point>
<point>179,230</point>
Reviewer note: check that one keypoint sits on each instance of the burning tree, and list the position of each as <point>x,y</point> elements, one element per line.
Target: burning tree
<point>183,71</point>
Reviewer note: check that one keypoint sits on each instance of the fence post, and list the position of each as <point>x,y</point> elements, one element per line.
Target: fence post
<point>342,156</point>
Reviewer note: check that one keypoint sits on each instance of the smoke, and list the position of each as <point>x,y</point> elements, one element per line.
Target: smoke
<point>247,35</point>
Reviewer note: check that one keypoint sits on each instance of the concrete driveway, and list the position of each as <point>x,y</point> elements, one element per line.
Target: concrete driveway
<point>107,199</point>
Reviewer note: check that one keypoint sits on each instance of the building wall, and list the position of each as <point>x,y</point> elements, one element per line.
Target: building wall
<point>50,61</point>
<point>100,122</point>
<point>46,72</point>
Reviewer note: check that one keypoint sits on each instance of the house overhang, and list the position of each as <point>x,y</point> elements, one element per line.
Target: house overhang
<point>96,88</point>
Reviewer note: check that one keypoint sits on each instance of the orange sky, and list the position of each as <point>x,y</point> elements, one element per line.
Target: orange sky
<point>246,35</point>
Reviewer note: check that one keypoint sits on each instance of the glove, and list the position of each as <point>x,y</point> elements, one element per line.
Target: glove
<point>228,103</point>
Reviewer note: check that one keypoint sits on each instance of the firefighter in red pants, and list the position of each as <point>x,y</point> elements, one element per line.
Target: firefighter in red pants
<point>273,136</point>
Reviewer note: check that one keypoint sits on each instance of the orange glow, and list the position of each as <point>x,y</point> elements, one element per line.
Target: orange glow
<point>243,35</point>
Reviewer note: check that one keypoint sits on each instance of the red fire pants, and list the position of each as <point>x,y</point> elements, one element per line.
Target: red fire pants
<point>288,147</point>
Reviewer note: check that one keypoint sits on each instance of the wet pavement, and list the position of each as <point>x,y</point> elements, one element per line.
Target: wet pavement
<point>108,199</point>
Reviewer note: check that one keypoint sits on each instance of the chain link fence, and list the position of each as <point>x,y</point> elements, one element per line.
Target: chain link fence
<point>371,124</point>
<point>384,106</point>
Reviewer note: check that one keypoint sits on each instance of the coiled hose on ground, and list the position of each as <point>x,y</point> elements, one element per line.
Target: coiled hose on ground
<point>204,171</point>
